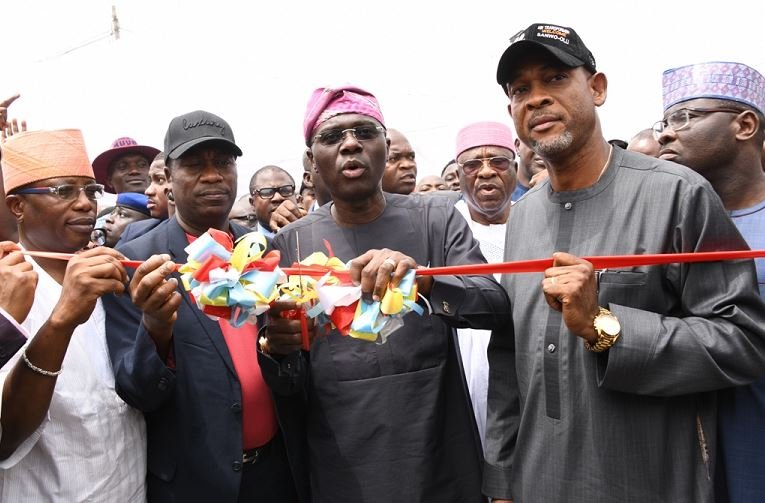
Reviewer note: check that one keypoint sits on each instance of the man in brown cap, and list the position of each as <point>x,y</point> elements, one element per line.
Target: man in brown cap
<point>63,425</point>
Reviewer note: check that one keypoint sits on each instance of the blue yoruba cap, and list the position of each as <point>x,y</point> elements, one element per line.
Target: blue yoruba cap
<point>134,201</point>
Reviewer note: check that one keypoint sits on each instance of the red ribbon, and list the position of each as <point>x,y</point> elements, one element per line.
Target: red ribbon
<point>599,262</point>
<point>521,266</point>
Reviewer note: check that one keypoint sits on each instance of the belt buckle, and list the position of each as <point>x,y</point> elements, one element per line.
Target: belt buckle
<point>251,456</point>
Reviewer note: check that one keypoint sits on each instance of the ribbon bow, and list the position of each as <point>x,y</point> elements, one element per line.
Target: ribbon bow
<point>233,282</point>
<point>335,300</point>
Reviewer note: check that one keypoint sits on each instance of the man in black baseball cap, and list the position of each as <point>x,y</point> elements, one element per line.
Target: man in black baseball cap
<point>213,422</point>
<point>193,128</point>
<point>600,375</point>
<point>560,41</point>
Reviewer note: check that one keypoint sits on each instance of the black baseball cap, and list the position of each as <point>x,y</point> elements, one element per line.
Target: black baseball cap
<point>560,41</point>
<point>191,129</point>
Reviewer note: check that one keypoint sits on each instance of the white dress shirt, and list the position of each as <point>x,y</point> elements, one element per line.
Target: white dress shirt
<point>91,446</point>
<point>474,343</point>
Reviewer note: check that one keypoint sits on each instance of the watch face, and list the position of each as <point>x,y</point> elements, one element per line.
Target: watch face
<point>608,324</point>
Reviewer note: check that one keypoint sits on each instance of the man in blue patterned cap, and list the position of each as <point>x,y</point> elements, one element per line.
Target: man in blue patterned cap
<point>714,124</point>
<point>131,207</point>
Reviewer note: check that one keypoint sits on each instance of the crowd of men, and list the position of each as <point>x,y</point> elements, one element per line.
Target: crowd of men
<point>644,383</point>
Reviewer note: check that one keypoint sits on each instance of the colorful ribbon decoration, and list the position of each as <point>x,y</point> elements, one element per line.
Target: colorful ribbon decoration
<point>333,299</point>
<point>236,283</point>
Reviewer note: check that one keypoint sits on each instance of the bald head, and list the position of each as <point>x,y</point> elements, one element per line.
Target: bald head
<point>269,187</point>
<point>645,143</point>
<point>431,183</point>
<point>243,213</point>
<point>269,171</point>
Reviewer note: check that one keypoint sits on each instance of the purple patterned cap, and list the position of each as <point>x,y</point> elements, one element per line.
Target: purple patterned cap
<point>717,80</point>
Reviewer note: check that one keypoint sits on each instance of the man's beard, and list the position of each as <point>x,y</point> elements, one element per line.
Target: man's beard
<point>553,147</point>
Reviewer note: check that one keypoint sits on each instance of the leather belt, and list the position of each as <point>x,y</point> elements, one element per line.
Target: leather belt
<point>252,456</point>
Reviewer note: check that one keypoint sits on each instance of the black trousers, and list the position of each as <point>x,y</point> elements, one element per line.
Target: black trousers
<point>269,479</point>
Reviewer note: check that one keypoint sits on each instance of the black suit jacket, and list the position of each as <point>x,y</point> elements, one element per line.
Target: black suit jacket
<point>136,229</point>
<point>193,412</point>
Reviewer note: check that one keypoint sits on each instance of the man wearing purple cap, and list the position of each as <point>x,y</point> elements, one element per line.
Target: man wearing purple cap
<point>125,166</point>
<point>605,390</point>
<point>387,422</point>
<point>713,123</point>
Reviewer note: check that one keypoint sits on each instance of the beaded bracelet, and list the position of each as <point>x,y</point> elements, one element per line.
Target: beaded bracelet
<point>46,373</point>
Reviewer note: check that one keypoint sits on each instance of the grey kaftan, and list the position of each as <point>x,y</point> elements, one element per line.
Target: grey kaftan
<point>393,422</point>
<point>637,422</point>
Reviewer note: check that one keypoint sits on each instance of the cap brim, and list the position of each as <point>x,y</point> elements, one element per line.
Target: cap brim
<point>102,162</point>
<point>519,49</point>
<point>185,147</point>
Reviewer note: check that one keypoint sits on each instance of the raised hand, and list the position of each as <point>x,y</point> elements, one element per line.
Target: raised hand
<point>4,113</point>
<point>286,213</point>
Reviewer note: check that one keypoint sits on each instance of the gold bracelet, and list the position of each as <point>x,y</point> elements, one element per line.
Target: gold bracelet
<point>33,367</point>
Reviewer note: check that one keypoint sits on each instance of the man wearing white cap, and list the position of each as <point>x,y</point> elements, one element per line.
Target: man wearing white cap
<point>486,169</point>
<point>714,124</point>
<point>606,389</point>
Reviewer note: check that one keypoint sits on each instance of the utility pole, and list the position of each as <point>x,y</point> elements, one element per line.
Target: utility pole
<point>115,23</point>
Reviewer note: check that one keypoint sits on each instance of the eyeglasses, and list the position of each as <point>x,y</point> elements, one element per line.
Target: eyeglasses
<point>499,163</point>
<point>681,119</point>
<point>269,192</point>
<point>361,133</point>
<point>67,192</point>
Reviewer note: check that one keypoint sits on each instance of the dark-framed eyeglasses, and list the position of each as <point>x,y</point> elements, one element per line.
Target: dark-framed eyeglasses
<point>270,192</point>
<point>681,119</point>
<point>364,132</point>
<point>67,191</point>
<point>498,163</point>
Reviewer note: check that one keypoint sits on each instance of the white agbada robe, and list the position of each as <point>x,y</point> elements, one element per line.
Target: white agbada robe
<point>91,446</point>
<point>474,343</point>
